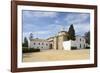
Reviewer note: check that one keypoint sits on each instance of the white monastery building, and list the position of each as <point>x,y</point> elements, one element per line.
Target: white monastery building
<point>39,44</point>
<point>58,42</point>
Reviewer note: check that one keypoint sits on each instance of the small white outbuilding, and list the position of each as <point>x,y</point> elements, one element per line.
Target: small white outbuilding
<point>79,43</point>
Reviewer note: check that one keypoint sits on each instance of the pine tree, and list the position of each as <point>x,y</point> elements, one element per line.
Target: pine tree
<point>71,32</point>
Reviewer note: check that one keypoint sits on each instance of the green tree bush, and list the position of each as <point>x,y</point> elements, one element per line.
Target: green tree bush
<point>71,33</point>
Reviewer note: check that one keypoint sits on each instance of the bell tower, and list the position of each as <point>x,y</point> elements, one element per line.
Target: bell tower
<point>62,31</point>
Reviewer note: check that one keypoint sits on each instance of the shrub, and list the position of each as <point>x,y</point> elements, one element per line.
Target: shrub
<point>87,47</point>
<point>34,50</point>
<point>73,48</point>
<point>28,50</point>
<point>24,50</point>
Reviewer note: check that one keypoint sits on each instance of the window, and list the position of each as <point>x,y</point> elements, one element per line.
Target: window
<point>46,44</point>
<point>80,45</point>
<point>39,43</point>
<point>34,43</point>
<point>80,39</point>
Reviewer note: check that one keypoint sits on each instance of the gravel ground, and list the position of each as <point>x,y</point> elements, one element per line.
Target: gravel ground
<point>54,55</point>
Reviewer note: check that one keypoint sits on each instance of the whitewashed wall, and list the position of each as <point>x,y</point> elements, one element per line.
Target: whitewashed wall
<point>40,46</point>
<point>79,41</point>
<point>67,45</point>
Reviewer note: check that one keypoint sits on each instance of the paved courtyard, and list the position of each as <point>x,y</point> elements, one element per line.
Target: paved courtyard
<point>54,55</point>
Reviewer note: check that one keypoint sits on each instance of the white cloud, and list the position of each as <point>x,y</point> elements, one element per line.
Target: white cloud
<point>54,27</point>
<point>79,21</point>
<point>27,13</point>
<point>41,32</point>
<point>56,21</point>
<point>38,34</point>
<point>44,14</point>
<point>29,25</point>
<point>26,34</point>
<point>80,29</point>
<point>40,14</point>
<point>76,18</point>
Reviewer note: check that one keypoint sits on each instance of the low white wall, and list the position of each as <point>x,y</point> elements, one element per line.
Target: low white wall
<point>67,45</point>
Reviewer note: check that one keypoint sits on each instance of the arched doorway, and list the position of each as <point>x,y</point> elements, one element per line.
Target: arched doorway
<point>51,46</point>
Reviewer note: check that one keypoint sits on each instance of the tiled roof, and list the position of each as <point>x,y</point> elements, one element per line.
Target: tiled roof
<point>37,39</point>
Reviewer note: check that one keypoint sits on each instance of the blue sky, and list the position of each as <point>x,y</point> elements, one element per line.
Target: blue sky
<point>44,24</point>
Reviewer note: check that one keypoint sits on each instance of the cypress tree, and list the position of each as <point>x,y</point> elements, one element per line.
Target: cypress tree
<point>71,32</point>
<point>25,42</point>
